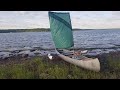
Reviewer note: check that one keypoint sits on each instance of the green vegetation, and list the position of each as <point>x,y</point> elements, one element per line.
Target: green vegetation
<point>29,30</point>
<point>25,30</point>
<point>34,30</point>
<point>40,30</point>
<point>42,68</point>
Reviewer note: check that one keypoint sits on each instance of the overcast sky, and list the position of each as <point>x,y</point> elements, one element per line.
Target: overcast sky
<point>79,19</point>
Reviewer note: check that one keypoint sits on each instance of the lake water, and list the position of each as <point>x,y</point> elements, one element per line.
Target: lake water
<point>95,39</point>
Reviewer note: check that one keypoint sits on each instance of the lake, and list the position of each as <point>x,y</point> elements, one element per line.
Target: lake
<point>98,40</point>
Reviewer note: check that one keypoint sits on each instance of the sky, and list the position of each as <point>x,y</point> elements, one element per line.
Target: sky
<point>79,19</point>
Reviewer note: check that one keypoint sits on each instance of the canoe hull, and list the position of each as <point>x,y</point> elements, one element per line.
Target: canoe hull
<point>88,63</point>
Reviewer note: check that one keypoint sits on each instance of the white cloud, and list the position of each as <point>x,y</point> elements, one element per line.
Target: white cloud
<point>39,19</point>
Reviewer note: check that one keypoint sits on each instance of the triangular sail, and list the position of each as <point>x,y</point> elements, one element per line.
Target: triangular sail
<point>61,30</point>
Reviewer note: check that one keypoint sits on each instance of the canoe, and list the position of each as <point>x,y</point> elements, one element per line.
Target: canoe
<point>86,63</point>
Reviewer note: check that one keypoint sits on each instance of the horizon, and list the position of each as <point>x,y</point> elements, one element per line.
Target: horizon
<point>79,19</point>
<point>49,28</point>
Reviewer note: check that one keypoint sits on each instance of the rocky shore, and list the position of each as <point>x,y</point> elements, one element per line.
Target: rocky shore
<point>28,52</point>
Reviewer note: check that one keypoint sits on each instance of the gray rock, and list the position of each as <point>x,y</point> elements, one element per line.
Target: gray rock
<point>31,54</point>
<point>4,55</point>
<point>26,53</point>
<point>36,52</point>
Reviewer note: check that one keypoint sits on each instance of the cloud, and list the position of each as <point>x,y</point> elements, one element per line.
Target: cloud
<point>39,19</point>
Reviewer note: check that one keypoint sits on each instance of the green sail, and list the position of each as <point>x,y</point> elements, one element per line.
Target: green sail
<point>61,29</point>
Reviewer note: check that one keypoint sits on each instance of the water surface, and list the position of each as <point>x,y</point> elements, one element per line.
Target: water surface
<point>97,40</point>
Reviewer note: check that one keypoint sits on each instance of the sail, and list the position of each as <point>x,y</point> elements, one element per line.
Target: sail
<point>61,29</point>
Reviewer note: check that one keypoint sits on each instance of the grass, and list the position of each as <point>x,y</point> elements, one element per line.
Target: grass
<point>42,68</point>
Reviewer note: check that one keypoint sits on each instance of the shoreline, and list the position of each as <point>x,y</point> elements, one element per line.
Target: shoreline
<point>43,54</point>
<point>37,51</point>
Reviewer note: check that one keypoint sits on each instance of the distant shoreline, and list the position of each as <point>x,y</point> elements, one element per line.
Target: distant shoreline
<point>41,30</point>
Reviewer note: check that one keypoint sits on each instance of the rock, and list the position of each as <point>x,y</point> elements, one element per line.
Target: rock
<point>23,53</point>
<point>32,50</point>
<point>11,54</point>
<point>4,55</point>
<point>31,54</point>
<point>36,52</point>
<point>26,53</point>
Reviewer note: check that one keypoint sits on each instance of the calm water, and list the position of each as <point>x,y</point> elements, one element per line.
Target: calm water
<point>82,39</point>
